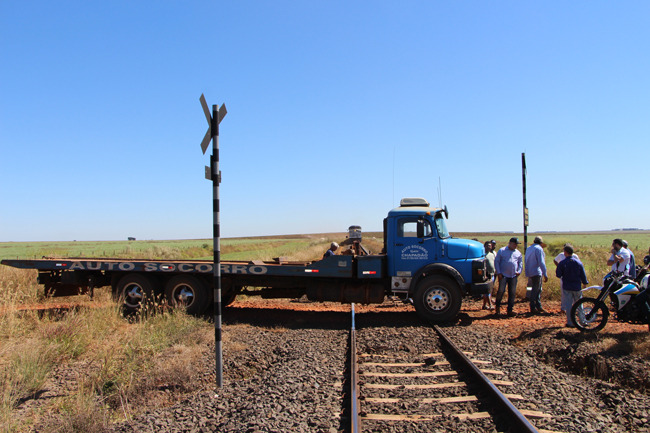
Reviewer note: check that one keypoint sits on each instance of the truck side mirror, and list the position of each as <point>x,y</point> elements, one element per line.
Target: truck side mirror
<point>420,229</point>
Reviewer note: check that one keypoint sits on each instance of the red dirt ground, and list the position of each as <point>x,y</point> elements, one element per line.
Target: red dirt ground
<point>470,310</point>
<point>513,326</point>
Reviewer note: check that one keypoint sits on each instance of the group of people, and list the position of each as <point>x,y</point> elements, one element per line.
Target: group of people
<point>506,264</point>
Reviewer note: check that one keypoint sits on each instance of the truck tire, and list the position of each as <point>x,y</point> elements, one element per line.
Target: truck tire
<point>132,290</point>
<point>228,298</point>
<point>188,292</point>
<point>437,299</point>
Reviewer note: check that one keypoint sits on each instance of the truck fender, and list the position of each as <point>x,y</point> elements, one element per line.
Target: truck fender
<point>436,269</point>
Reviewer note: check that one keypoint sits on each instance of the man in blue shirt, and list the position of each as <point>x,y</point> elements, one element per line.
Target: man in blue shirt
<point>333,247</point>
<point>508,266</point>
<point>536,271</point>
<point>572,273</point>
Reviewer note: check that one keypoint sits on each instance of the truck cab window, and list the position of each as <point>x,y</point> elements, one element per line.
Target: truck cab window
<point>441,226</point>
<point>407,227</point>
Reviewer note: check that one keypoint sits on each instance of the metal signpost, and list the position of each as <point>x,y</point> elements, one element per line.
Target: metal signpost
<point>523,180</point>
<point>213,173</point>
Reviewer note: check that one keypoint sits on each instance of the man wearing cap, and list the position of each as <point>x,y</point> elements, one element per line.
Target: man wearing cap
<point>333,247</point>
<point>536,271</point>
<point>508,266</point>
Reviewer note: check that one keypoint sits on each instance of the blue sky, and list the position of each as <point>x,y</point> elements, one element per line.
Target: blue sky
<point>336,110</point>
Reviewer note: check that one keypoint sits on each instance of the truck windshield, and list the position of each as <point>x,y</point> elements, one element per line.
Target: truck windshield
<point>441,226</point>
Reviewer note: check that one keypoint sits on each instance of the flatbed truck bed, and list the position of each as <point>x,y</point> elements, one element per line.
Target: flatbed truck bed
<point>420,263</point>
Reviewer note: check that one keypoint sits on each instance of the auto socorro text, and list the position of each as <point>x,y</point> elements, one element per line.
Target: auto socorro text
<point>164,267</point>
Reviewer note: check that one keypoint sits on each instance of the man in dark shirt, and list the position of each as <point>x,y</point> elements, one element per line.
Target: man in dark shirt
<point>572,273</point>
<point>333,247</point>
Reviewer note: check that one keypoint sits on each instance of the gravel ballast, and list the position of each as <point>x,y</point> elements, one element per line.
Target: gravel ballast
<point>281,378</point>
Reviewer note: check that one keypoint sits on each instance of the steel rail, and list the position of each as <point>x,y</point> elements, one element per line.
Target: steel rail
<point>355,409</point>
<point>519,421</point>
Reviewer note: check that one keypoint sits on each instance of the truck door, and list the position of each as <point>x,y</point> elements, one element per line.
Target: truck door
<point>414,245</point>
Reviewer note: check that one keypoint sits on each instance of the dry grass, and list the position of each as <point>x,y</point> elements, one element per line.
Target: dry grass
<point>113,367</point>
<point>18,286</point>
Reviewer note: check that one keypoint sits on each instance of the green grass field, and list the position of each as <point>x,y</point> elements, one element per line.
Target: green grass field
<point>231,249</point>
<point>280,246</point>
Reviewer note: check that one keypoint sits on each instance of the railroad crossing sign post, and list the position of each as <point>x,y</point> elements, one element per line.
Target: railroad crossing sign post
<point>523,182</point>
<point>213,173</point>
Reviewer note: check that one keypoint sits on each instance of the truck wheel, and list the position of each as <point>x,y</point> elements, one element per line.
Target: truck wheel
<point>133,290</point>
<point>229,298</point>
<point>437,299</point>
<point>188,292</point>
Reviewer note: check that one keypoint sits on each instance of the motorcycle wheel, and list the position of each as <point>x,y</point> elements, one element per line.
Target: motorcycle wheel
<point>589,314</point>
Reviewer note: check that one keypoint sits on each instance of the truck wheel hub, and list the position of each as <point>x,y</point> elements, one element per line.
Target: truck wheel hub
<point>437,299</point>
<point>133,295</point>
<point>185,295</point>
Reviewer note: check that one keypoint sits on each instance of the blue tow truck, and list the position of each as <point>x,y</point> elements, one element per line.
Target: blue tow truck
<point>420,263</point>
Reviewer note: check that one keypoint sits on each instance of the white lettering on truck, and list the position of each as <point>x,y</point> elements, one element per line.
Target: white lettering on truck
<point>170,267</point>
<point>126,266</point>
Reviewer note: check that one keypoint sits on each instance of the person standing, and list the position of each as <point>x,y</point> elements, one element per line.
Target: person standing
<point>620,258</point>
<point>562,256</point>
<point>572,273</point>
<point>536,271</point>
<point>508,266</point>
<point>557,261</point>
<point>490,255</point>
<point>632,267</point>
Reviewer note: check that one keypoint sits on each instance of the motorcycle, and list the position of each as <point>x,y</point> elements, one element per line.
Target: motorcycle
<point>591,314</point>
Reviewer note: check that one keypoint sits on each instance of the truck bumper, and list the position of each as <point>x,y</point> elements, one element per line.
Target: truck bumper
<point>481,288</point>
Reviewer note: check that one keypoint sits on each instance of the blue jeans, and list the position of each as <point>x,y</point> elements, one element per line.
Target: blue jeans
<point>535,292</point>
<point>511,282</point>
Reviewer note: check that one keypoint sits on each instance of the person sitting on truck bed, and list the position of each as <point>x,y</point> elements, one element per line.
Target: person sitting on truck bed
<point>333,247</point>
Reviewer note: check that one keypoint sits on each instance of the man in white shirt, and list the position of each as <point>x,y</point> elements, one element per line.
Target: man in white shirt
<point>620,258</point>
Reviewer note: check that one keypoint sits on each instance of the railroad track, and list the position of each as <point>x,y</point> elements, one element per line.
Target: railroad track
<point>443,387</point>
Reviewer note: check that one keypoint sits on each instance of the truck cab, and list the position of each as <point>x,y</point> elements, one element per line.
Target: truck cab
<point>427,265</point>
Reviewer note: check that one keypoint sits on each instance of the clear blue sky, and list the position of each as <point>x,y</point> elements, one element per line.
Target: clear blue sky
<point>336,110</point>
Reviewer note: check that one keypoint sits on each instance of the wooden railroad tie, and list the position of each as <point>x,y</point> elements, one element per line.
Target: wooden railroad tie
<point>426,373</point>
<point>414,364</point>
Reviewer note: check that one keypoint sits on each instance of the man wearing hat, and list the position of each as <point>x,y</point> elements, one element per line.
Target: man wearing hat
<point>536,271</point>
<point>508,266</point>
